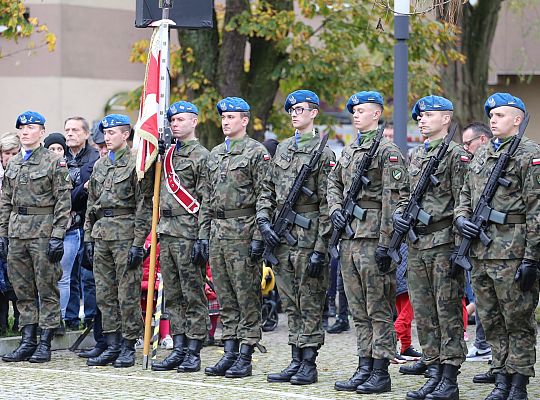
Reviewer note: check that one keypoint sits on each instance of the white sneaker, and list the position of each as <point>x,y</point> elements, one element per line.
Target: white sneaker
<point>139,344</point>
<point>476,352</point>
<point>167,342</point>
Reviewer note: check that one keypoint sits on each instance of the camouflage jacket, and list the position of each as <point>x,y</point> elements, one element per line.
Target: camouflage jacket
<point>438,201</point>
<point>41,181</point>
<point>189,163</point>
<point>389,185</point>
<point>235,179</point>
<point>510,241</point>
<point>284,168</point>
<point>115,186</point>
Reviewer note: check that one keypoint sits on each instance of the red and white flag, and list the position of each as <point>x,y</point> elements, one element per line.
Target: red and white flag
<point>152,109</point>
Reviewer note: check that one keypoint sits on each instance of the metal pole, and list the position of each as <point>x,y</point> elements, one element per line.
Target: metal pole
<point>401,76</point>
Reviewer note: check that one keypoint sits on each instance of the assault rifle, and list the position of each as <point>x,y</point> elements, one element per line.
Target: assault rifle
<point>414,212</point>
<point>287,217</point>
<point>483,214</point>
<point>351,209</point>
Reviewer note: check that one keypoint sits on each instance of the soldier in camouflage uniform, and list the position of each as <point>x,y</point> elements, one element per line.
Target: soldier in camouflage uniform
<point>302,270</point>
<point>34,214</point>
<point>236,169</point>
<point>368,276</point>
<point>505,274</point>
<point>184,242</point>
<point>436,298</point>
<point>117,222</point>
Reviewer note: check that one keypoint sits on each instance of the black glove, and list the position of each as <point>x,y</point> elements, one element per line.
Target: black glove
<point>4,244</point>
<point>55,250</point>
<point>161,147</point>
<point>338,219</point>
<point>526,274</point>
<point>135,256</point>
<point>269,236</point>
<point>89,254</point>
<point>382,259</point>
<point>256,250</point>
<point>316,264</point>
<point>401,225</point>
<point>466,228</point>
<point>199,252</point>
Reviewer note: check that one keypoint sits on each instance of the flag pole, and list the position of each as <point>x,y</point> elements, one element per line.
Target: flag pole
<point>164,130</point>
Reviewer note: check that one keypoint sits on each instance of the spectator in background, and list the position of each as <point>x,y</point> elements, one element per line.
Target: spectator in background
<point>10,146</point>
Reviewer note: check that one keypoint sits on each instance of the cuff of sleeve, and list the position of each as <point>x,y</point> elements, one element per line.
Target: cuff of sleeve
<point>138,242</point>
<point>257,235</point>
<point>58,233</point>
<point>321,246</point>
<point>334,208</point>
<point>531,254</point>
<point>263,214</point>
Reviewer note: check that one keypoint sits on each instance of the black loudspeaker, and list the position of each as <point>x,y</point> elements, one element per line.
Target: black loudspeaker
<point>188,14</point>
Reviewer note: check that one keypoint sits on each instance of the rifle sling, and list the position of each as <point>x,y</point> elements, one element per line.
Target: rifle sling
<point>515,218</point>
<point>226,214</point>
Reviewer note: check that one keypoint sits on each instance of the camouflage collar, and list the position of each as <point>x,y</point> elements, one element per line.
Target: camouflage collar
<point>187,147</point>
<point>237,146</point>
<point>367,139</point>
<point>33,158</point>
<point>122,160</point>
<point>306,146</point>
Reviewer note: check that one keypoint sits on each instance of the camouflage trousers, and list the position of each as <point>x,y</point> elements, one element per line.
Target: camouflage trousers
<point>371,297</point>
<point>303,297</point>
<point>118,288</point>
<point>437,303</point>
<point>238,287</point>
<point>33,276</point>
<point>183,284</point>
<point>507,315</point>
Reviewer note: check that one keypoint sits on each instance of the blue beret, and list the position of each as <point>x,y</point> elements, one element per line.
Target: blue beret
<point>431,103</point>
<point>29,117</point>
<point>181,107</point>
<point>503,99</point>
<point>364,97</point>
<point>232,104</point>
<point>300,96</point>
<point>112,120</point>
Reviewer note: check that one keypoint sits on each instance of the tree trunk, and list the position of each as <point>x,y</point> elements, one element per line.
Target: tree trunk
<point>467,84</point>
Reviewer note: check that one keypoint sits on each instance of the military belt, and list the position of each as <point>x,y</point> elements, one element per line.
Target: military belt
<point>114,212</point>
<point>515,218</point>
<point>34,210</point>
<point>434,227</point>
<point>369,205</point>
<point>174,213</point>
<point>302,208</point>
<point>226,214</point>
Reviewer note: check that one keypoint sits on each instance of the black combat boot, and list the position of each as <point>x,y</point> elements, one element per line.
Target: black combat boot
<point>176,357</point>
<point>242,366</point>
<point>518,391</point>
<point>110,354</point>
<point>502,387</point>
<point>362,373</point>
<point>43,350</point>
<point>230,347</point>
<point>192,360</point>
<point>379,380</point>
<point>286,374</point>
<point>488,377</point>
<point>434,372</point>
<point>447,389</point>
<point>307,373</point>
<point>418,368</point>
<point>93,352</point>
<point>27,345</point>
<point>127,354</point>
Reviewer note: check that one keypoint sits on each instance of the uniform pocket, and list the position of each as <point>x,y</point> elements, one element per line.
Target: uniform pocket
<point>40,182</point>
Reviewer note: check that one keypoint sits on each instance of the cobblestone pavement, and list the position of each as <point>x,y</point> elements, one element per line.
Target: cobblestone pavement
<point>68,377</point>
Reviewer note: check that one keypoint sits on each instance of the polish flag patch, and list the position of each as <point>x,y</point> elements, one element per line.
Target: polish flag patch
<point>331,164</point>
<point>464,159</point>
<point>394,158</point>
<point>536,161</point>
<point>266,157</point>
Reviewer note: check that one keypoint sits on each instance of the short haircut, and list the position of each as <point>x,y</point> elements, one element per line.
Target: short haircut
<point>9,140</point>
<point>479,128</point>
<point>314,106</point>
<point>245,114</point>
<point>85,125</point>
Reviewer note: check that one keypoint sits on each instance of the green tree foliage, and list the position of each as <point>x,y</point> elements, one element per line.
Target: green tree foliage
<point>262,50</point>
<point>14,25</point>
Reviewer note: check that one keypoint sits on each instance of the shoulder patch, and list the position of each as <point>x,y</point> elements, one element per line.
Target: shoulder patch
<point>62,163</point>
<point>397,173</point>
<point>465,159</point>
<point>535,161</point>
<point>266,157</point>
<point>331,164</point>
<point>393,159</point>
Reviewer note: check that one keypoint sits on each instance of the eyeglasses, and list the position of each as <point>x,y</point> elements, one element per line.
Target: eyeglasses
<point>468,142</point>
<point>298,110</point>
